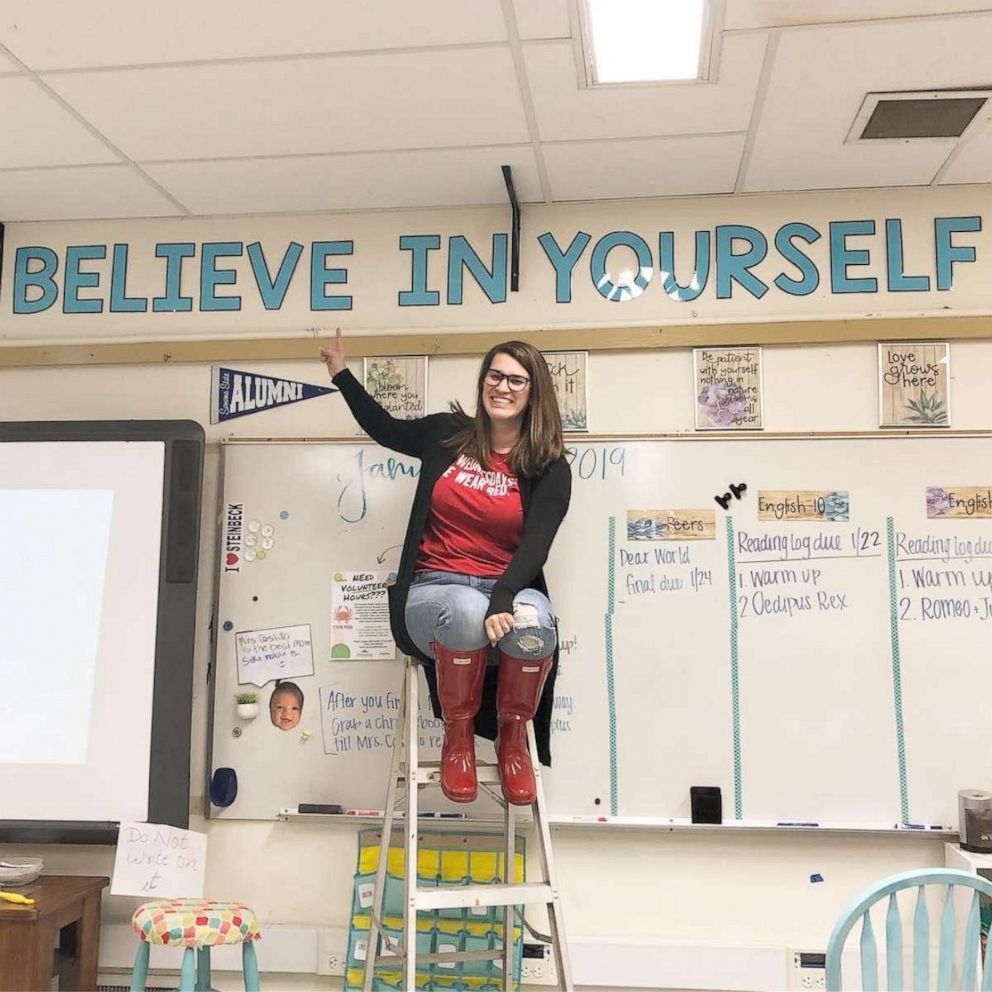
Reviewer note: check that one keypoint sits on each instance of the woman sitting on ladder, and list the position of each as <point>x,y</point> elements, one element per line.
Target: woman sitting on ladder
<point>492,492</point>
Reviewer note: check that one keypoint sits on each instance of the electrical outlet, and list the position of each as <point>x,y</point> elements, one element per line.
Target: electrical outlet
<point>538,965</point>
<point>807,970</point>
<point>332,951</point>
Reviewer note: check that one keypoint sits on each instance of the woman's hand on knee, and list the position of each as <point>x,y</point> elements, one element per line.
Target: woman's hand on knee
<point>498,625</point>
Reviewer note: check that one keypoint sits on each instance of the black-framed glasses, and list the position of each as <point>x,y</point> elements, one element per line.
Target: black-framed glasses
<point>516,382</point>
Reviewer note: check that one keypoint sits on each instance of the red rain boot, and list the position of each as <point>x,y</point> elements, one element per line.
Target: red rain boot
<point>519,687</point>
<point>460,675</point>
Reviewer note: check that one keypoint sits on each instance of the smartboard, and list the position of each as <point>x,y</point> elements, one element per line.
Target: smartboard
<point>101,522</point>
<point>802,622</point>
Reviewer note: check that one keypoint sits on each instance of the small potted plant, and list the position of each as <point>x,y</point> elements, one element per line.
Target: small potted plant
<point>247,705</point>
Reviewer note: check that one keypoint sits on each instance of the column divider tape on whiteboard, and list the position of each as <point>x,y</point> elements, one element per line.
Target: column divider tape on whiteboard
<point>610,694</point>
<point>735,694</point>
<point>897,668</point>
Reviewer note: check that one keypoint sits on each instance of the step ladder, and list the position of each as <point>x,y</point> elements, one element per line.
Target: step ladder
<point>408,776</point>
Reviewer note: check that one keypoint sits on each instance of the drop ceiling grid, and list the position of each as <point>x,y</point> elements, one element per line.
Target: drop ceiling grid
<point>304,106</point>
<point>973,164</point>
<point>45,35</point>
<point>671,166</point>
<point>749,15</point>
<point>418,104</point>
<point>37,131</point>
<point>364,181</point>
<point>566,113</point>
<point>542,18</point>
<point>87,192</point>
<point>818,82</point>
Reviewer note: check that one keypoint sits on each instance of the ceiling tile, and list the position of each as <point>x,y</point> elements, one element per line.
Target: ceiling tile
<point>7,64</point>
<point>594,170</point>
<point>45,36</point>
<point>750,14</point>
<point>542,18</point>
<point>37,130</point>
<point>88,192</point>
<point>459,177</point>
<point>567,112</point>
<point>349,103</point>
<point>817,85</point>
<point>973,164</point>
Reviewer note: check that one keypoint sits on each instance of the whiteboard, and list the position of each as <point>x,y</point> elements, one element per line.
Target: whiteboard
<point>827,671</point>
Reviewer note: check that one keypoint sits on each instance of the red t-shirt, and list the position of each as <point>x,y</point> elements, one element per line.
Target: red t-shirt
<point>476,519</point>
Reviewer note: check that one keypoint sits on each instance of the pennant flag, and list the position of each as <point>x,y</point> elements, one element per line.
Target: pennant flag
<point>236,394</point>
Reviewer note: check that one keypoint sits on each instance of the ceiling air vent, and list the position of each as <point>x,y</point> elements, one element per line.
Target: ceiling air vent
<point>916,116</point>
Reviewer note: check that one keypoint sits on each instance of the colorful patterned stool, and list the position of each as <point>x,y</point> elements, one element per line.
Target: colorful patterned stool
<point>196,924</point>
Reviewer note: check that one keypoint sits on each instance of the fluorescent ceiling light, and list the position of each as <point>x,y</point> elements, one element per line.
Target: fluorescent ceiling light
<point>645,40</point>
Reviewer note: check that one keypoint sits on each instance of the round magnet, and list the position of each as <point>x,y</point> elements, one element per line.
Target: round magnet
<point>250,540</point>
<point>228,625</point>
<point>250,555</point>
<point>261,555</point>
<point>268,530</point>
<point>254,526</point>
<point>284,514</point>
<point>267,543</point>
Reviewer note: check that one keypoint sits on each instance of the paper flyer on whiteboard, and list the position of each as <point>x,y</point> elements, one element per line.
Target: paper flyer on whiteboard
<point>360,616</point>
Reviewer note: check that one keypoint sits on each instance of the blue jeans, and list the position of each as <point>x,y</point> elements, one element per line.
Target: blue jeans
<point>451,608</point>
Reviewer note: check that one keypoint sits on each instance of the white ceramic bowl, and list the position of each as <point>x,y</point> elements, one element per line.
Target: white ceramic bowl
<point>18,871</point>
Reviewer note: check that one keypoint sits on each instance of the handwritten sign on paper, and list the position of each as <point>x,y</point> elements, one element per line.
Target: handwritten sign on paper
<point>159,862</point>
<point>276,653</point>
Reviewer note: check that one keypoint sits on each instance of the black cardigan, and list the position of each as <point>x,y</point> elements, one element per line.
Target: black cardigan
<point>545,501</point>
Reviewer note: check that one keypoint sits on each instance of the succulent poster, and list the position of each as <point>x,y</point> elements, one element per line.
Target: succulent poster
<point>913,384</point>
<point>728,388</point>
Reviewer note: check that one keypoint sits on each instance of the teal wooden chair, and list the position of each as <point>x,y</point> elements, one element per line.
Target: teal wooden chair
<point>958,959</point>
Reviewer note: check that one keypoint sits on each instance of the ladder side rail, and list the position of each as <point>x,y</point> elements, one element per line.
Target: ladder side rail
<point>509,877</point>
<point>410,826</point>
<point>543,833</point>
<point>379,892</point>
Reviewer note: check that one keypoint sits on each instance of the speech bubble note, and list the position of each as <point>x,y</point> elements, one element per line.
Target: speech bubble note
<point>159,862</point>
<point>276,653</point>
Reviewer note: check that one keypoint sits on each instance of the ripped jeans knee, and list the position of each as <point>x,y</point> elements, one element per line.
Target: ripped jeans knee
<point>534,633</point>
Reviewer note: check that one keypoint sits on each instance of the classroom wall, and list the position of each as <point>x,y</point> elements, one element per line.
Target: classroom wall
<point>713,887</point>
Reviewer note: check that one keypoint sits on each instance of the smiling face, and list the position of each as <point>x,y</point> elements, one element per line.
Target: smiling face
<point>284,708</point>
<point>504,404</point>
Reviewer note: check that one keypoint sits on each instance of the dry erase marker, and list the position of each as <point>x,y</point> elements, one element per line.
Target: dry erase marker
<point>325,808</point>
<point>797,824</point>
<point>363,812</point>
<point>444,816</point>
<point>586,819</point>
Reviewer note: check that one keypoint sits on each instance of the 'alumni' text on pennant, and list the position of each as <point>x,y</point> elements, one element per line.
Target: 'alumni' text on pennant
<point>236,394</point>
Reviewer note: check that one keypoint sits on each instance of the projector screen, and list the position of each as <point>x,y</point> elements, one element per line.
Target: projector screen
<point>83,586</point>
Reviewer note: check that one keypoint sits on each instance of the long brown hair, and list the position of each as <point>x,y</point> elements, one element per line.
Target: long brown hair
<point>540,442</point>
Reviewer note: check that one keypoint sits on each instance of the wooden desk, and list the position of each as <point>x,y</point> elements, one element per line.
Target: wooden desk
<point>59,934</point>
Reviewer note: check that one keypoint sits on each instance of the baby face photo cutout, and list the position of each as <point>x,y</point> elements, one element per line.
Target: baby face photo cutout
<point>286,705</point>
